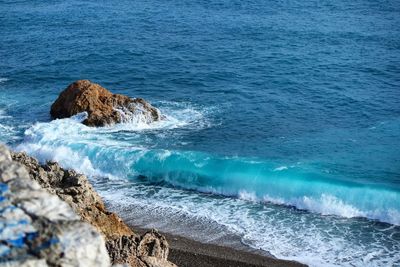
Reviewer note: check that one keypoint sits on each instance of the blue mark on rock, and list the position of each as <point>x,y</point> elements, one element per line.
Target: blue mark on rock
<point>18,243</point>
<point>48,243</point>
<point>3,188</point>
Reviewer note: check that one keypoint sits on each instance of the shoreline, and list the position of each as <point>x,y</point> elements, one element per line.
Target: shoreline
<point>127,243</point>
<point>186,252</point>
<point>192,245</point>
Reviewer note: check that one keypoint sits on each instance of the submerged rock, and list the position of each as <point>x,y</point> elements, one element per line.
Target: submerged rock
<point>123,245</point>
<point>102,106</point>
<point>38,229</point>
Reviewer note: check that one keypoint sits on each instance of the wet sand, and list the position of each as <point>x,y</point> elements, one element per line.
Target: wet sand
<point>190,253</point>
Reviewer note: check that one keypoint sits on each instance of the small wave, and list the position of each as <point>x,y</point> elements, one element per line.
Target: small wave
<point>3,80</point>
<point>3,114</point>
<point>8,131</point>
<point>6,128</point>
<point>281,168</point>
<point>243,194</point>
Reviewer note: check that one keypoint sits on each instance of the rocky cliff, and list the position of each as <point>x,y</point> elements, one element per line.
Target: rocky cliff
<point>38,229</point>
<point>50,216</point>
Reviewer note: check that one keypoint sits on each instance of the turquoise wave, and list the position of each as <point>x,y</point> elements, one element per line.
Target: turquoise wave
<point>97,152</point>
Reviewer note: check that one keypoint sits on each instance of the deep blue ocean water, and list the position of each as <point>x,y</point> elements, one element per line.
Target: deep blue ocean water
<point>283,118</point>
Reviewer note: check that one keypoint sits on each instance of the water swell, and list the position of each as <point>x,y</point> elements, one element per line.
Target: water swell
<point>96,151</point>
<point>257,181</point>
<point>3,80</point>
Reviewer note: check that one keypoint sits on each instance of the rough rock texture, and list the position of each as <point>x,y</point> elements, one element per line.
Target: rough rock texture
<point>102,106</point>
<point>123,245</point>
<point>38,229</point>
<point>76,190</point>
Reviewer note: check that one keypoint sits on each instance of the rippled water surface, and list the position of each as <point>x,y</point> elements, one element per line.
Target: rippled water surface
<point>283,118</point>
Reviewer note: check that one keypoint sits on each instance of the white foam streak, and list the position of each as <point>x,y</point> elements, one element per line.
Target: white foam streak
<point>250,196</point>
<point>330,205</point>
<point>286,233</point>
<point>174,115</point>
<point>281,168</point>
<point>3,80</point>
<point>7,131</point>
<point>327,205</point>
<point>3,115</point>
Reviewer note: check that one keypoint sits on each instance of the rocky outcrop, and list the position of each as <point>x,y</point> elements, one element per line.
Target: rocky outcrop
<point>123,245</point>
<point>75,189</point>
<point>38,229</point>
<point>151,249</point>
<point>102,106</point>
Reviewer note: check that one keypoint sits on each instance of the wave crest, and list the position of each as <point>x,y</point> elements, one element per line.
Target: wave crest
<point>95,152</point>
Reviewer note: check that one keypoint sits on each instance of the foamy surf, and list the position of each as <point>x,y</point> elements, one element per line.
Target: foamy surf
<point>174,115</point>
<point>7,130</point>
<point>285,233</point>
<point>251,198</point>
<point>97,151</point>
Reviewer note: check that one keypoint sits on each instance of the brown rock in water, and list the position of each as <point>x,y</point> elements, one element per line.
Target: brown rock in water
<point>102,106</point>
<point>123,245</point>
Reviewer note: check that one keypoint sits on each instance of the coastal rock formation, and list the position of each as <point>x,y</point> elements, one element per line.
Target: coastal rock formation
<point>150,250</point>
<point>123,245</point>
<point>75,190</point>
<point>38,229</point>
<point>102,106</point>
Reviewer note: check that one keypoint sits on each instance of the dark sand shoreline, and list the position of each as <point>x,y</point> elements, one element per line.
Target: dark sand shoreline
<point>186,252</point>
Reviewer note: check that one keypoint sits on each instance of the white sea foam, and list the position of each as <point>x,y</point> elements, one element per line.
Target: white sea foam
<point>330,205</point>
<point>174,115</point>
<point>3,80</point>
<point>77,146</point>
<point>286,233</point>
<point>251,196</point>
<point>56,140</point>
<point>7,133</point>
<point>3,114</point>
<point>281,168</point>
<point>7,130</point>
<point>65,156</point>
<point>327,205</point>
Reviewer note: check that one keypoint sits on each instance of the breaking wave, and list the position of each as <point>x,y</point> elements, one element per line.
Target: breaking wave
<point>99,152</point>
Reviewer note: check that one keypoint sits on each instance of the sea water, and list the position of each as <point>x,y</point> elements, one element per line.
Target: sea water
<point>282,118</point>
